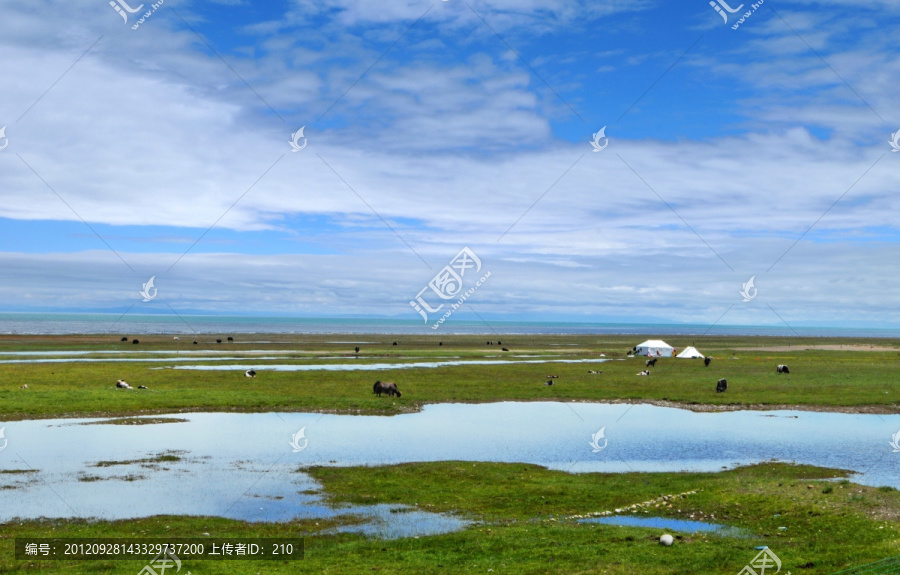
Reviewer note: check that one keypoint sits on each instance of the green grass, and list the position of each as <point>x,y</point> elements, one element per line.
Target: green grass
<point>523,523</point>
<point>522,512</point>
<point>819,378</point>
<point>161,458</point>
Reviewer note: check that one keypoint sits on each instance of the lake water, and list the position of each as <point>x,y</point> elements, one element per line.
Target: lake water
<point>132,323</point>
<point>242,466</point>
<point>374,366</point>
<point>665,523</point>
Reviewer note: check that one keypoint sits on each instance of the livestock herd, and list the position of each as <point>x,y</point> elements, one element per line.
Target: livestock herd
<point>391,389</point>
<point>722,384</point>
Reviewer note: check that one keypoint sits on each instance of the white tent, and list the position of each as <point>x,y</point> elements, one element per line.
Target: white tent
<point>690,352</point>
<point>654,348</point>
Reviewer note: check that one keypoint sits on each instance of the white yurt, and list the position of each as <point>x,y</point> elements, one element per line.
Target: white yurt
<point>690,353</point>
<point>654,348</point>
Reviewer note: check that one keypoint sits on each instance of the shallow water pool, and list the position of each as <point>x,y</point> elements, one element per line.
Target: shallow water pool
<point>248,465</point>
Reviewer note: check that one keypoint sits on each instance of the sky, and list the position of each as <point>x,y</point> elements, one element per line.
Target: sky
<point>604,161</point>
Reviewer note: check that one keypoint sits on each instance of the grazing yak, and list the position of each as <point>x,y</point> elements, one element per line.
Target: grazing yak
<point>503,349</point>
<point>706,361</point>
<point>195,342</point>
<point>782,369</point>
<point>651,362</point>
<point>122,384</point>
<point>549,382</point>
<point>135,341</point>
<point>229,338</point>
<point>218,341</point>
<point>386,387</point>
<point>249,373</point>
<point>721,385</point>
<point>124,339</point>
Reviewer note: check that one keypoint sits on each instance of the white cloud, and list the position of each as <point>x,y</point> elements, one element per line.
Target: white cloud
<point>540,15</point>
<point>148,129</point>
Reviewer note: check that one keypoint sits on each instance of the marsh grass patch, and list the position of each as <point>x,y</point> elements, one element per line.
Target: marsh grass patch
<point>84,478</point>
<point>165,457</point>
<point>137,421</point>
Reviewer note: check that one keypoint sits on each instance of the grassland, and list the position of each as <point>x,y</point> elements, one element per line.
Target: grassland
<point>524,523</point>
<point>860,376</point>
<point>523,514</point>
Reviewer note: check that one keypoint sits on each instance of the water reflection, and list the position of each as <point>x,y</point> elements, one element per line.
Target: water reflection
<point>242,466</point>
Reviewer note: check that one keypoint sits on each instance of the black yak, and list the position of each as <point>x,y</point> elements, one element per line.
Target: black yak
<point>503,349</point>
<point>356,349</point>
<point>124,339</point>
<point>782,369</point>
<point>385,387</point>
<point>721,385</point>
<point>651,362</point>
<point>706,361</point>
<point>135,341</point>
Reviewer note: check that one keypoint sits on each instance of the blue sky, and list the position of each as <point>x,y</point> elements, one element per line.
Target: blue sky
<point>431,126</point>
